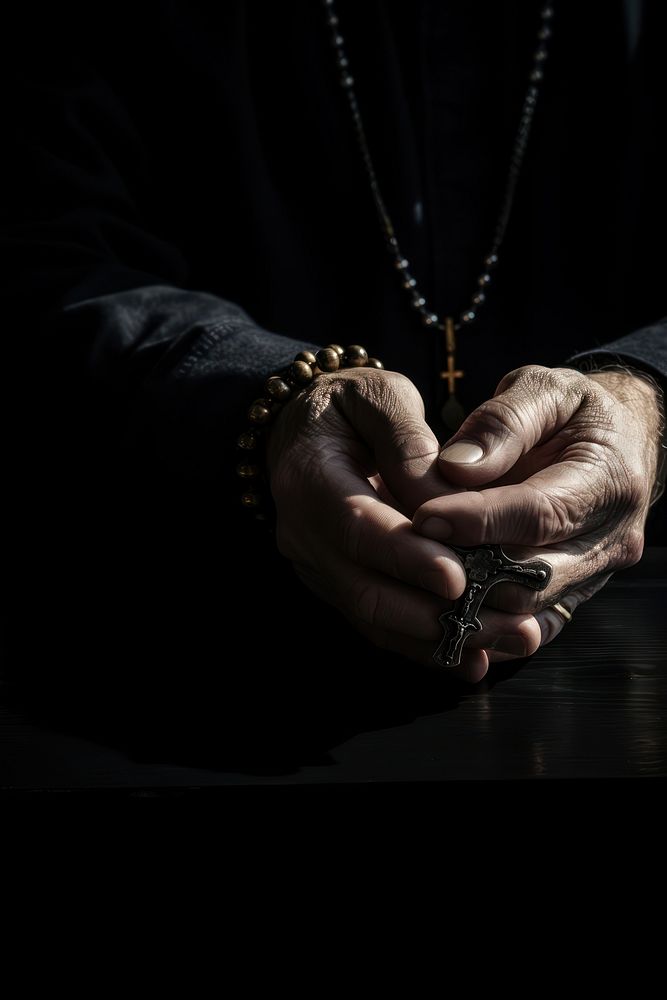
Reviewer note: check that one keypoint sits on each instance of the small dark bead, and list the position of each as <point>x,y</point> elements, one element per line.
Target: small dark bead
<point>410,283</point>
<point>541,55</point>
<point>544,34</point>
<point>536,75</point>
<point>277,389</point>
<point>302,372</point>
<point>468,317</point>
<point>340,351</point>
<point>251,500</point>
<point>374,363</point>
<point>259,412</point>
<point>402,264</point>
<point>342,62</point>
<point>418,302</point>
<point>248,441</point>
<point>347,80</point>
<point>355,356</point>
<point>547,13</point>
<point>338,40</point>
<point>491,260</point>
<point>478,298</point>
<point>430,319</point>
<point>328,360</point>
<point>247,471</point>
<point>306,356</point>
<point>484,280</point>
<point>332,20</point>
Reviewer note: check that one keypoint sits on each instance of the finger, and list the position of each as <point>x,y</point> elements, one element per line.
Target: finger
<point>513,635</point>
<point>531,404</point>
<point>551,623</point>
<point>376,536</point>
<point>387,411</point>
<point>554,505</point>
<point>369,599</point>
<point>472,669</point>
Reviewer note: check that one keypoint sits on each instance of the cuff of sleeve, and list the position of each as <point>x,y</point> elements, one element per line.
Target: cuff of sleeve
<point>645,350</point>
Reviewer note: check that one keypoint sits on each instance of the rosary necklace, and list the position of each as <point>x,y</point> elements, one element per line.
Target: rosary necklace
<point>452,411</point>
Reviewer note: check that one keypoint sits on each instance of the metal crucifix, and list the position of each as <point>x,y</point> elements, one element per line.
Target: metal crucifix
<point>484,567</point>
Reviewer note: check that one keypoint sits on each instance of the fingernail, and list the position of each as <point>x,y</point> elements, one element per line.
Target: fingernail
<point>511,644</point>
<point>464,452</point>
<point>435,527</point>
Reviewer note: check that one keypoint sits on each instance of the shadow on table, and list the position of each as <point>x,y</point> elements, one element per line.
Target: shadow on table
<point>169,678</point>
<point>140,618</point>
<point>250,714</point>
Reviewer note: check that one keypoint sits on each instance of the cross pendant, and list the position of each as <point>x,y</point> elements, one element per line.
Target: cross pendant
<point>484,567</point>
<point>450,374</point>
<point>452,412</point>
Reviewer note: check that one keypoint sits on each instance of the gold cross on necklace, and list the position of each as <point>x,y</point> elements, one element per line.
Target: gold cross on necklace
<point>452,411</point>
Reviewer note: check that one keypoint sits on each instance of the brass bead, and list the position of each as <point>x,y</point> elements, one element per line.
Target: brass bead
<point>301,372</point>
<point>247,471</point>
<point>307,356</point>
<point>259,412</point>
<point>328,360</point>
<point>277,389</point>
<point>251,500</point>
<point>340,351</point>
<point>248,440</point>
<point>374,363</point>
<point>355,356</point>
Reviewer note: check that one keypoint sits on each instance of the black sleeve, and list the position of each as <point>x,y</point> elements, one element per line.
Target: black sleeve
<point>100,315</point>
<point>645,349</point>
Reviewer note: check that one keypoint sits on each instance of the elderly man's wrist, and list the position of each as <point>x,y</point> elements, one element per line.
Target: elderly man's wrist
<point>639,391</point>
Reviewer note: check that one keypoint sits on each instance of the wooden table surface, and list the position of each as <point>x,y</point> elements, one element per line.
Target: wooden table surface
<point>592,705</point>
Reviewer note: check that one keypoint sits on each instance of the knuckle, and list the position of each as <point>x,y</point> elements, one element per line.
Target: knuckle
<point>549,517</point>
<point>500,417</point>
<point>379,386</point>
<point>390,393</point>
<point>569,380</point>
<point>632,493</point>
<point>538,381</point>
<point>631,548</point>
<point>523,373</point>
<point>624,492</point>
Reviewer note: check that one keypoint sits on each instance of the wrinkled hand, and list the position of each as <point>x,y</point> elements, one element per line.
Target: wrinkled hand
<point>350,460</point>
<point>560,464</point>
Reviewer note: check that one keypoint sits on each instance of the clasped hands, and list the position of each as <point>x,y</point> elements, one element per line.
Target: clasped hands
<point>558,465</point>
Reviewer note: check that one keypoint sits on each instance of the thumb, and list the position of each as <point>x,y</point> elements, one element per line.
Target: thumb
<point>387,412</point>
<point>530,405</point>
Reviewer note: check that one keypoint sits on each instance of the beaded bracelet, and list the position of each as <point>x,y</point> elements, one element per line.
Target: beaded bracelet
<point>278,390</point>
